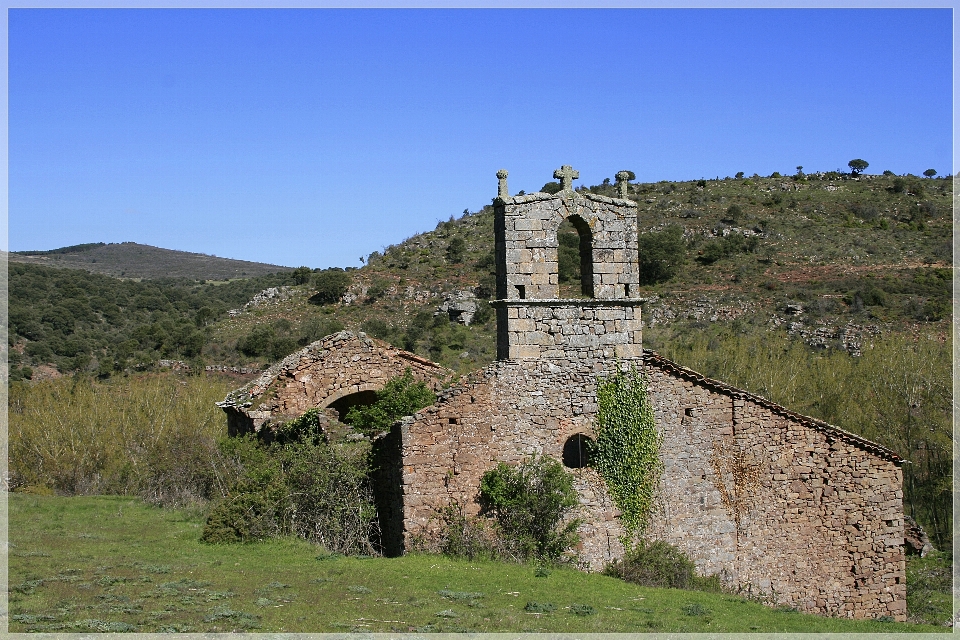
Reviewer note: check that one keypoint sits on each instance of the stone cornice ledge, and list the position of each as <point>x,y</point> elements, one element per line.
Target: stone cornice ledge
<point>565,195</point>
<point>568,302</point>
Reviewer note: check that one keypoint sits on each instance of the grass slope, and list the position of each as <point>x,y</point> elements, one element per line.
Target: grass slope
<point>98,564</point>
<point>132,260</point>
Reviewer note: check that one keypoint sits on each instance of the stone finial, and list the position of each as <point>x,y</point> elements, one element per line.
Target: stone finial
<point>502,191</point>
<point>623,179</point>
<point>566,174</point>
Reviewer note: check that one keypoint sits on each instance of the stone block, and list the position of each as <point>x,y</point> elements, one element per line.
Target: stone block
<point>524,351</point>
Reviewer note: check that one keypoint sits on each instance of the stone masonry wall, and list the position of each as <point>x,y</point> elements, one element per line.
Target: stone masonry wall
<point>509,411</point>
<point>321,373</point>
<point>526,243</point>
<point>801,511</point>
<point>572,329</point>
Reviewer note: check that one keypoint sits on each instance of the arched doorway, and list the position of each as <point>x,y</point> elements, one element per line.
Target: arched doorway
<point>386,472</point>
<point>343,404</point>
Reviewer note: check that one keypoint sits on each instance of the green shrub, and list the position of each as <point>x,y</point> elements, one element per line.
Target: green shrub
<point>461,536</point>
<point>872,295</point>
<point>727,246</point>
<point>661,254</point>
<point>484,313</point>
<point>301,275</point>
<point>258,342</point>
<point>316,328</point>
<point>529,502</point>
<point>330,284</point>
<point>377,289</point>
<point>282,347</point>
<point>734,212</point>
<point>309,488</point>
<point>377,328</point>
<point>654,564</point>
<point>401,396</point>
<point>455,251</point>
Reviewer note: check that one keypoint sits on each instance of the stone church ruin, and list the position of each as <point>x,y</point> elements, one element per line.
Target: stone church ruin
<point>805,513</point>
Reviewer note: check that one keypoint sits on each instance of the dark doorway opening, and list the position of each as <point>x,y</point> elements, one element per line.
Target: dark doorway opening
<point>576,451</point>
<point>386,478</point>
<point>344,404</point>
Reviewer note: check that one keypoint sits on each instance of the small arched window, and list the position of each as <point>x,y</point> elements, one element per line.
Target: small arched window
<point>576,451</point>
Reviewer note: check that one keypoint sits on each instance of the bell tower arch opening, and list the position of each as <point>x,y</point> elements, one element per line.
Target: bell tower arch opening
<point>575,258</point>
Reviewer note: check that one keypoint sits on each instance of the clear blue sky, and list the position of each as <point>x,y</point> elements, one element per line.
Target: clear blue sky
<point>314,137</point>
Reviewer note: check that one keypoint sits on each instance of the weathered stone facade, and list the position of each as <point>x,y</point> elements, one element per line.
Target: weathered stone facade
<point>800,511</point>
<point>336,372</point>
<point>804,513</point>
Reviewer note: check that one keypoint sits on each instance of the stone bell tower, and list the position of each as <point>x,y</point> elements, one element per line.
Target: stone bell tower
<point>532,320</point>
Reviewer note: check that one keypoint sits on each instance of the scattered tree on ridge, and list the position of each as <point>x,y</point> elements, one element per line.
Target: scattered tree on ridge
<point>857,166</point>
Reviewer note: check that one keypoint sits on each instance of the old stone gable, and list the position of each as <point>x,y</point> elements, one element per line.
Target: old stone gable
<point>797,510</point>
<point>335,373</point>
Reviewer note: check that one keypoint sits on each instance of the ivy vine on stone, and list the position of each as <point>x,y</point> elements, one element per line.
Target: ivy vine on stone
<point>627,448</point>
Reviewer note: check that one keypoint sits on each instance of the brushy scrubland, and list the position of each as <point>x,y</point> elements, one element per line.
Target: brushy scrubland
<point>154,436</point>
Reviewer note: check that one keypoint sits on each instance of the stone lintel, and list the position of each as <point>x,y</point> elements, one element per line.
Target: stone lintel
<point>568,302</point>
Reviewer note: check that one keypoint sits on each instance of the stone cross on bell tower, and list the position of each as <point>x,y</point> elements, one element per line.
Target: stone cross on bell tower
<point>566,175</point>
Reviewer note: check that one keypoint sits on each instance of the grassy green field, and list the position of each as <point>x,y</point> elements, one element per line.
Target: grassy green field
<point>100,564</point>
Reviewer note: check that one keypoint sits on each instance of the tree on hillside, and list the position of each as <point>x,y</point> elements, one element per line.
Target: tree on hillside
<point>857,166</point>
<point>662,253</point>
<point>456,249</point>
<point>551,187</point>
<point>301,275</point>
<point>930,173</point>
<point>330,284</point>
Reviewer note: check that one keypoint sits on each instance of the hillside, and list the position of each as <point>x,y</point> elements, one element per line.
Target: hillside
<point>132,260</point>
<point>834,261</point>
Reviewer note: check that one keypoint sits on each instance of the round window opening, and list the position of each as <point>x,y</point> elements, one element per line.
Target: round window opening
<point>576,451</point>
